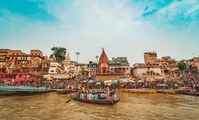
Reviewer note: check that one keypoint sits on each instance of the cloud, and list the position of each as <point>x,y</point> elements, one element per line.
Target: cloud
<point>118,26</point>
<point>180,15</point>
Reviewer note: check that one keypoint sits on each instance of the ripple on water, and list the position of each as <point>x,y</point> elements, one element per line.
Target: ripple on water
<point>52,106</point>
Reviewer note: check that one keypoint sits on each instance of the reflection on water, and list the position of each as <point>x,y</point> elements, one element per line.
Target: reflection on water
<point>131,106</point>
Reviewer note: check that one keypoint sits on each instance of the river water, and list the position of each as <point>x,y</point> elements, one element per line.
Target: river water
<point>52,106</point>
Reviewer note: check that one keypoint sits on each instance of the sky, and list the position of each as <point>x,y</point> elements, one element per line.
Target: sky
<point>124,28</point>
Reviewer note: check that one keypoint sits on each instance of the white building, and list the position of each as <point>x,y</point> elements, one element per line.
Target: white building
<point>141,69</point>
<point>55,68</point>
<point>118,64</point>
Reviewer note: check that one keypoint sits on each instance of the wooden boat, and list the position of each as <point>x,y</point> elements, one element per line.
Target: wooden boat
<point>62,91</point>
<point>27,93</point>
<point>22,93</point>
<point>192,93</point>
<point>183,90</point>
<point>143,91</point>
<point>70,90</point>
<point>22,90</point>
<point>7,93</point>
<point>166,91</point>
<point>100,101</point>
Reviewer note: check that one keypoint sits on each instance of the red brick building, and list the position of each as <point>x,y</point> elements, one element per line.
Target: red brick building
<point>103,64</point>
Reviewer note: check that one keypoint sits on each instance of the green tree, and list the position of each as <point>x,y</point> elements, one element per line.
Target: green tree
<point>181,65</point>
<point>59,52</point>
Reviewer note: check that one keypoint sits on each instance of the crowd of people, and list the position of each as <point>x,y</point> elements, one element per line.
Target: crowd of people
<point>97,95</point>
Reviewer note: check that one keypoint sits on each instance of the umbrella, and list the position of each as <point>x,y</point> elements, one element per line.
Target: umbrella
<point>125,81</point>
<point>140,80</point>
<point>107,82</point>
<point>98,83</point>
<point>49,78</point>
<point>132,81</point>
<point>114,82</point>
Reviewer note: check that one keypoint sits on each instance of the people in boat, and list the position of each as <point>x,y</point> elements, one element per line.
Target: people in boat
<point>95,96</point>
<point>90,95</point>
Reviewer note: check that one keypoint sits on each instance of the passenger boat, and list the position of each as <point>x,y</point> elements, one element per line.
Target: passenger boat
<point>100,101</point>
<point>166,91</point>
<point>70,90</point>
<point>192,93</point>
<point>22,90</point>
<point>143,91</point>
<point>183,90</point>
<point>7,93</point>
<point>62,91</point>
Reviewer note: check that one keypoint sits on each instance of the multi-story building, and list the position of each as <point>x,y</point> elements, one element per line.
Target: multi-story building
<point>82,69</point>
<point>154,66</point>
<point>103,64</point>
<point>18,61</point>
<point>169,66</point>
<point>119,64</point>
<point>141,69</point>
<point>55,68</point>
<point>70,67</point>
<point>193,65</point>
<point>150,58</point>
<point>92,69</point>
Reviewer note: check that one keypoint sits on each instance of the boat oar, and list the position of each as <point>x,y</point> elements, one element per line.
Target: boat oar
<point>68,101</point>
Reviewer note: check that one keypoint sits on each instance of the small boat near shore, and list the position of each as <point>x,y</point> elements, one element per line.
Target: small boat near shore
<point>182,90</point>
<point>164,91</point>
<point>143,91</point>
<point>62,91</point>
<point>70,90</point>
<point>22,90</point>
<point>192,93</point>
<point>100,101</point>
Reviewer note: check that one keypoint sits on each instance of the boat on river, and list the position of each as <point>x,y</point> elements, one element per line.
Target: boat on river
<point>99,101</point>
<point>143,91</point>
<point>192,93</point>
<point>22,90</point>
<point>62,91</point>
<point>183,90</point>
<point>73,90</point>
<point>165,91</point>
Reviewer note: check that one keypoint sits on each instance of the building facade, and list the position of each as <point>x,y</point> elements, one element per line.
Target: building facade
<point>140,69</point>
<point>120,65</point>
<point>154,66</point>
<point>103,64</point>
<point>150,58</point>
<point>193,65</point>
<point>17,61</point>
<point>169,66</point>
<point>92,69</point>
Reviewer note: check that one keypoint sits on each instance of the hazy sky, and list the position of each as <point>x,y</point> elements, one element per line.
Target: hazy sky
<point>125,28</point>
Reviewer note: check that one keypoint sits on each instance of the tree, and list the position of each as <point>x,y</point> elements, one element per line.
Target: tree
<point>59,52</point>
<point>181,65</point>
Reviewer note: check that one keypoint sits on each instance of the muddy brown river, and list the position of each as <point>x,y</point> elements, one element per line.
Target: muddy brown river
<point>52,106</point>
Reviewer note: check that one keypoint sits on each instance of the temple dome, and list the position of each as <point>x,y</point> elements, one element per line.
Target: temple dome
<point>103,58</point>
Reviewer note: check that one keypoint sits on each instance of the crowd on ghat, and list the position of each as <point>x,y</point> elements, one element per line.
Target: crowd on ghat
<point>62,84</point>
<point>187,80</point>
<point>191,81</point>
